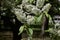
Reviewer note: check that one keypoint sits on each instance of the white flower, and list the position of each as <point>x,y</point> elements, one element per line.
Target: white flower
<point>30,20</point>
<point>29,8</point>
<point>22,18</point>
<point>32,9</point>
<point>20,15</point>
<point>20,6</point>
<point>18,11</point>
<point>36,11</point>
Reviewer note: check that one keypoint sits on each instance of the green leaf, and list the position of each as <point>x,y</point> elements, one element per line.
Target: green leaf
<point>47,15</point>
<point>21,29</point>
<point>30,31</point>
<point>39,19</point>
<point>50,18</point>
<point>16,0</point>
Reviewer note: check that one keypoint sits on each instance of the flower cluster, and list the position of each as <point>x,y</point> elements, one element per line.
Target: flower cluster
<point>31,14</point>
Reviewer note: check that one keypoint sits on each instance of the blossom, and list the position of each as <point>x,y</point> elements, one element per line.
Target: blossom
<point>30,20</point>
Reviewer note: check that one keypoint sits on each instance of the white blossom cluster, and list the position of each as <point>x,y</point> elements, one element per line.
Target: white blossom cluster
<point>25,11</point>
